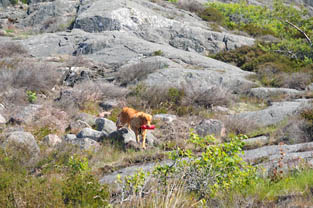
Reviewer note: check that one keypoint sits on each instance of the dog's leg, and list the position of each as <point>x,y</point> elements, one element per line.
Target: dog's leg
<point>137,136</point>
<point>144,134</point>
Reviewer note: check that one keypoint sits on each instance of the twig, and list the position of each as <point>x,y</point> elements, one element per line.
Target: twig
<point>301,31</point>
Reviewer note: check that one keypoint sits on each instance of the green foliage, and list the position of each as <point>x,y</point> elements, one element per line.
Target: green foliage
<point>133,185</point>
<point>42,132</point>
<point>211,14</point>
<point>257,21</point>
<point>76,188</point>
<point>175,95</point>
<point>218,169</point>
<point>158,53</point>
<point>31,96</point>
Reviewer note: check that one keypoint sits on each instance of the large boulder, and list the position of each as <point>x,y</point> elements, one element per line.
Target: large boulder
<point>50,16</point>
<point>20,143</point>
<point>151,22</point>
<point>211,126</point>
<point>92,134</point>
<point>265,92</point>
<point>52,140</point>
<point>126,138</point>
<point>105,125</point>
<point>27,114</point>
<point>273,114</point>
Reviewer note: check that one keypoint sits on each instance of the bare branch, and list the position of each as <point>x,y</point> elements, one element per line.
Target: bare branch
<point>301,31</point>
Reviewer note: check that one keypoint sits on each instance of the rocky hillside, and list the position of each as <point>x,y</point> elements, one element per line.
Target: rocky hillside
<point>67,67</point>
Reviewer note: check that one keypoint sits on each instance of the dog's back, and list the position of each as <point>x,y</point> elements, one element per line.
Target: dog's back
<point>125,117</point>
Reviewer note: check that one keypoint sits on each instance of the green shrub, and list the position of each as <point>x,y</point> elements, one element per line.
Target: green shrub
<point>158,53</point>
<point>257,20</point>
<point>211,14</point>
<point>218,169</point>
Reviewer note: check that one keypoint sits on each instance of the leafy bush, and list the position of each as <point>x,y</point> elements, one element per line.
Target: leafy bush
<point>218,169</point>
<point>32,97</point>
<point>211,14</point>
<point>278,21</point>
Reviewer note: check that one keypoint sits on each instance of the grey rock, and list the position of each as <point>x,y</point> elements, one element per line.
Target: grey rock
<point>92,134</point>
<point>155,25</point>
<point>27,114</point>
<point>255,142</point>
<point>78,125</point>
<point>23,140</point>
<point>88,118</point>
<point>264,92</point>
<point>86,144</point>
<point>52,140</point>
<point>122,136</point>
<point>273,114</point>
<point>69,137</point>
<point>269,153</point>
<point>126,138</point>
<point>50,16</point>
<point>165,117</point>
<point>211,126</point>
<point>106,125</point>
<point>2,120</point>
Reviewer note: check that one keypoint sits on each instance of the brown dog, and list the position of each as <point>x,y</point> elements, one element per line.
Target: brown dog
<point>134,120</point>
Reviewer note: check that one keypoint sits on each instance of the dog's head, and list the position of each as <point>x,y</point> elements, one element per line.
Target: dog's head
<point>118,124</point>
<point>145,118</point>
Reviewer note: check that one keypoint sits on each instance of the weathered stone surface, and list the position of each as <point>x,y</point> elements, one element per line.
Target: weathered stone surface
<point>255,142</point>
<point>105,125</point>
<point>78,125</point>
<point>165,117</point>
<point>86,143</point>
<point>91,134</point>
<point>23,140</point>
<point>27,114</point>
<point>52,140</point>
<point>139,17</point>
<point>50,16</point>
<point>211,126</point>
<point>273,114</point>
<point>69,137</point>
<point>264,92</point>
<point>126,138</point>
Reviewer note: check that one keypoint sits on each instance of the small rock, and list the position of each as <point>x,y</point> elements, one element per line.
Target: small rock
<point>69,137</point>
<point>106,125</point>
<point>92,134</point>
<point>165,117</point>
<point>52,140</point>
<point>211,126</point>
<point>104,114</point>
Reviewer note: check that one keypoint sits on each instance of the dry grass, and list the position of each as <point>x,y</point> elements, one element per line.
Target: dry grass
<point>136,72</point>
<point>84,94</point>
<point>37,77</point>
<point>191,6</point>
<point>235,125</point>
<point>10,49</point>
